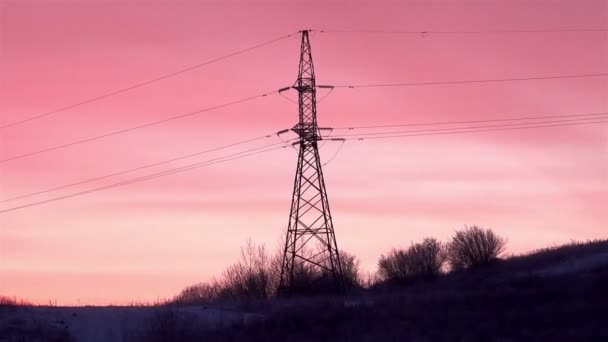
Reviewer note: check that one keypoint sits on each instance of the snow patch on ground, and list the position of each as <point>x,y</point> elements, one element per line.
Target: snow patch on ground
<point>576,265</point>
<point>93,324</point>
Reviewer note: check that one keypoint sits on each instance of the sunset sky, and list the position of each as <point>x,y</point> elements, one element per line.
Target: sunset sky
<point>145,241</point>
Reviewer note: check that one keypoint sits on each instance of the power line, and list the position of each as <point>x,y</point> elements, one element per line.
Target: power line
<point>342,141</point>
<point>469,131</point>
<point>135,169</point>
<point>266,94</point>
<point>448,32</point>
<point>468,121</point>
<point>136,127</point>
<point>151,176</point>
<point>521,124</point>
<point>287,98</point>
<point>260,150</point>
<point>326,95</point>
<point>141,84</point>
<point>495,80</point>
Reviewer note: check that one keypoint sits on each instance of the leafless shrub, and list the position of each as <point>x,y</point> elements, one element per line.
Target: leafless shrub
<point>251,277</point>
<point>198,294</point>
<point>427,258</point>
<point>394,266</point>
<point>350,271</point>
<point>311,276</point>
<point>254,276</point>
<point>420,261</point>
<point>474,246</point>
<point>13,301</point>
<point>257,275</point>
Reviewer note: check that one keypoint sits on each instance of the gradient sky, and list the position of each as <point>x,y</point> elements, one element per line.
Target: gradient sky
<point>148,240</point>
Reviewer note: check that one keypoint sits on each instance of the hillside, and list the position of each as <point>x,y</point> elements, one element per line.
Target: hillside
<point>556,294</point>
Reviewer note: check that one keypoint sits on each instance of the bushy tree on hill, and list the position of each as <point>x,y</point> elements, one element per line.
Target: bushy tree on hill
<point>350,270</point>
<point>256,275</point>
<point>420,261</point>
<point>473,247</point>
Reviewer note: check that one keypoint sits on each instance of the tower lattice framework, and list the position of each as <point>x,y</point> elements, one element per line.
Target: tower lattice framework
<point>311,240</point>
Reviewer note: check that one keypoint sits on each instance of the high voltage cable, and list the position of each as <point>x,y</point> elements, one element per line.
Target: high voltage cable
<point>468,121</point>
<point>411,32</point>
<point>136,127</point>
<point>335,153</point>
<point>456,131</point>
<point>135,169</point>
<point>604,116</point>
<point>141,84</point>
<point>234,156</point>
<point>520,124</point>
<point>244,154</point>
<point>495,80</point>
<point>343,135</point>
<point>320,86</point>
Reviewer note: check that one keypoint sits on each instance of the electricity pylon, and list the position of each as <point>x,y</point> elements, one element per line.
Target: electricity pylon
<point>310,242</point>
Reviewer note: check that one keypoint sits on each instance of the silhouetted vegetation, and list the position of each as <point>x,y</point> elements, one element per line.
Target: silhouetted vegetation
<point>13,301</point>
<point>168,325</point>
<point>473,247</point>
<point>256,276</point>
<point>252,278</point>
<point>554,294</point>
<point>313,280</point>
<point>350,271</point>
<point>516,299</point>
<point>423,260</point>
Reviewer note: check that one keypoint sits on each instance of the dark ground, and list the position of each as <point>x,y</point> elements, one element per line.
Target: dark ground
<point>551,295</point>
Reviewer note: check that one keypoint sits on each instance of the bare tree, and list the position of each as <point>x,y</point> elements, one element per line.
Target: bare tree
<point>198,293</point>
<point>256,276</point>
<point>313,278</point>
<point>420,260</point>
<point>474,246</point>
<point>394,266</point>
<point>426,259</point>
<point>350,271</point>
<point>250,277</point>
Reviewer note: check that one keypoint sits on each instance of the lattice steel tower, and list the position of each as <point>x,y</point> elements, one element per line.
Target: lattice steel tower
<point>310,241</point>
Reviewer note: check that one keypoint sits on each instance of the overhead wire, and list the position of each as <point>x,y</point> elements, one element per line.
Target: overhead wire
<point>283,89</point>
<point>438,123</point>
<point>259,150</point>
<point>326,95</point>
<point>285,142</point>
<point>462,130</point>
<point>456,32</point>
<point>343,138</point>
<point>287,98</point>
<point>491,80</point>
<point>118,173</point>
<point>144,83</point>
<point>605,116</point>
<point>234,156</point>
<point>125,130</point>
<point>343,141</point>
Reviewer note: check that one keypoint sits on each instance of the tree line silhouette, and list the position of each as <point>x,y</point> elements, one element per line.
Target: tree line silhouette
<point>256,274</point>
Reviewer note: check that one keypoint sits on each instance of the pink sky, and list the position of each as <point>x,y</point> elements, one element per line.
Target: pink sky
<point>148,240</point>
